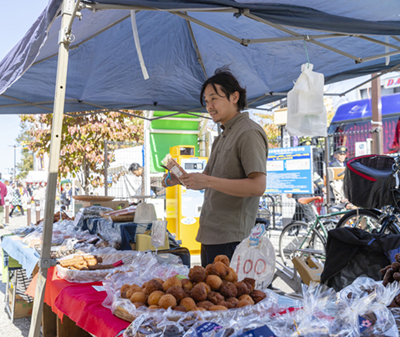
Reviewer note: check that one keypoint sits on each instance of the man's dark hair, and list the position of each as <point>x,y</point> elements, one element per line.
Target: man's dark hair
<point>229,84</point>
<point>134,167</point>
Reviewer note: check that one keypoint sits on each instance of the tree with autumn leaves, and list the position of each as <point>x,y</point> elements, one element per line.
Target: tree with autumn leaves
<point>83,139</point>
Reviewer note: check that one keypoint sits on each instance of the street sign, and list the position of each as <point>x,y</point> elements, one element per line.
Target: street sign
<point>289,170</point>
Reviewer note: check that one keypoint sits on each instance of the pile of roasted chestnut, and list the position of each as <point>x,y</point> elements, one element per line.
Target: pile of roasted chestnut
<point>215,287</point>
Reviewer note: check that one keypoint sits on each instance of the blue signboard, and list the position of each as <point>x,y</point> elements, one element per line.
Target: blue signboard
<point>289,170</point>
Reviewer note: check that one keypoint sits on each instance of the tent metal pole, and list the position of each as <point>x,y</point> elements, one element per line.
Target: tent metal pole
<point>84,41</point>
<point>291,32</point>
<point>209,27</point>
<point>105,168</point>
<point>196,48</point>
<point>295,38</point>
<point>395,38</point>
<point>145,8</point>
<point>372,78</point>
<point>61,80</point>
<point>371,58</point>
<point>24,103</point>
<point>147,130</point>
<point>378,42</point>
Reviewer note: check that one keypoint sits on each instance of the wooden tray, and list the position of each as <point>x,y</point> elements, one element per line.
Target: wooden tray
<point>120,218</point>
<point>92,198</point>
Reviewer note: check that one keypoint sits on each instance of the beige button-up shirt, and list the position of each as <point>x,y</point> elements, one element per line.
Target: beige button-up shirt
<point>242,148</point>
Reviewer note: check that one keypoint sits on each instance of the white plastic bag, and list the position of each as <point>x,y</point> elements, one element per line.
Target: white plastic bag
<point>307,96</point>
<point>255,257</point>
<point>306,109</point>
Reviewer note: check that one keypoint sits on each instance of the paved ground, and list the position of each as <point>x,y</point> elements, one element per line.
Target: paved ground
<point>20,327</point>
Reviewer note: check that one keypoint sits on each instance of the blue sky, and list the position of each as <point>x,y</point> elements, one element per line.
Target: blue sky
<point>16,17</point>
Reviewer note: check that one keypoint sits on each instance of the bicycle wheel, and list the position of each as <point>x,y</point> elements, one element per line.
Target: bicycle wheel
<point>296,236</point>
<point>361,218</point>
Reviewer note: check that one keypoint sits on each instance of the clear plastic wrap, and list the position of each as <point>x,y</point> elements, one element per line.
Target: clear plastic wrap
<point>324,313</point>
<point>110,235</point>
<point>33,239</point>
<point>261,310</point>
<point>158,231</point>
<point>23,231</point>
<point>94,211</point>
<point>109,256</point>
<point>362,307</point>
<point>313,319</point>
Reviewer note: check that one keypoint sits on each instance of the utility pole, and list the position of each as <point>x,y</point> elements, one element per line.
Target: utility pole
<point>15,160</point>
<point>376,123</point>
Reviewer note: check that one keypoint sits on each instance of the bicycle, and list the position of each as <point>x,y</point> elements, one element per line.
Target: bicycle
<point>299,236</point>
<point>374,220</point>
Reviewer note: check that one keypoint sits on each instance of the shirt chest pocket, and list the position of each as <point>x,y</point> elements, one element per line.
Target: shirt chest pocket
<point>227,164</point>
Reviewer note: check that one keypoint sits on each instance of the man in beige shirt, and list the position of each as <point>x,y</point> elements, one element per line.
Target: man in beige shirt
<point>235,176</point>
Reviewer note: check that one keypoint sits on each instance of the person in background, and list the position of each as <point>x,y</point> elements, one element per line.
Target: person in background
<point>339,155</point>
<point>16,200</point>
<point>66,196</point>
<point>138,171</point>
<point>339,160</point>
<point>29,189</point>
<point>10,191</point>
<point>235,175</point>
<point>39,195</point>
<point>3,194</point>
<point>25,197</point>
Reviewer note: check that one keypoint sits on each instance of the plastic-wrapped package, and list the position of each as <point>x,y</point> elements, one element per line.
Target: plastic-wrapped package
<point>396,315</point>
<point>23,231</point>
<point>363,306</point>
<point>94,211</point>
<point>313,319</point>
<point>263,308</point>
<point>33,239</point>
<point>108,255</point>
<point>110,235</point>
<point>201,323</point>
<point>143,268</point>
<point>158,231</point>
<point>173,166</point>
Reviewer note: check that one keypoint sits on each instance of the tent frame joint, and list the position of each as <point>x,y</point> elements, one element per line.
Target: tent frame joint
<point>47,263</point>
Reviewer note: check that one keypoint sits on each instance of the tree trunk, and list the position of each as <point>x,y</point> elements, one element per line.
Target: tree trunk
<point>85,177</point>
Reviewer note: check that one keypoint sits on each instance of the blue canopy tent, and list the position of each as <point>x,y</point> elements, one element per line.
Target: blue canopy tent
<point>182,43</point>
<point>130,54</point>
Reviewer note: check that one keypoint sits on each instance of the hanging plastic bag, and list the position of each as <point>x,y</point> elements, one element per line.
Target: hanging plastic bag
<point>307,96</point>
<point>306,110</point>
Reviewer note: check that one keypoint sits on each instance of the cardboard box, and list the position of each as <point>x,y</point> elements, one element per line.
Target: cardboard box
<point>22,308</point>
<point>143,242</point>
<point>114,204</point>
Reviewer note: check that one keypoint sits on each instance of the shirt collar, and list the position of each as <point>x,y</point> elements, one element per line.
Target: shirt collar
<point>234,120</point>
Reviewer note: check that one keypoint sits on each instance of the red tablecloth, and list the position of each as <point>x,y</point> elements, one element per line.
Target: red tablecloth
<point>81,303</point>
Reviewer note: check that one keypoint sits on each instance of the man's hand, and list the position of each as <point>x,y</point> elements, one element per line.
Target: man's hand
<point>171,182</point>
<point>195,181</point>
